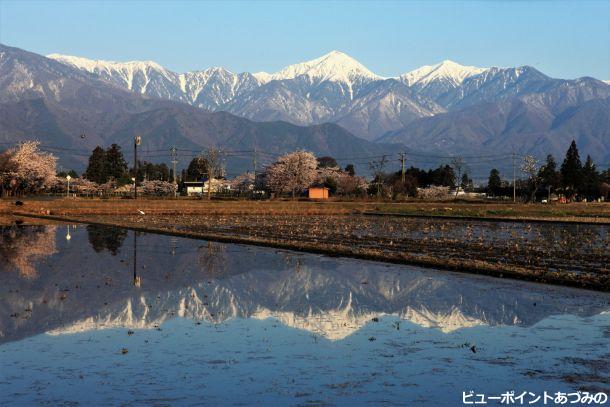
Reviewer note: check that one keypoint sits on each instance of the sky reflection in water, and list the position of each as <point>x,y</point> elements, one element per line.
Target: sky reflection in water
<point>212,323</point>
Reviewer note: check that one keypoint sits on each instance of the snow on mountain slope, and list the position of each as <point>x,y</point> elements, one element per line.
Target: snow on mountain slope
<point>207,89</point>
<point>447,70</point>
<point>215,87</point>
<point>384,106</point>
<point>335,66</point>
<point>99,65</point>
<point>133,75</point>
<point>263,77</point>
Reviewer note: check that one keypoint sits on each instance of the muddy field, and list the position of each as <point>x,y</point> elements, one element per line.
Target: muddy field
<point>576,252</point>
<point>575,212</point>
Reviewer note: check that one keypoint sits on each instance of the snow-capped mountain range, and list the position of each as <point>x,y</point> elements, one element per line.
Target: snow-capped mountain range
<point>209,89</point>
<point>440,109</point>
<point>332,88</point>
<point>447,70</point>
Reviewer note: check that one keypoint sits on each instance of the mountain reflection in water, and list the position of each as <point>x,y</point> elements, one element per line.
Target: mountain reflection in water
<point>91,281</point>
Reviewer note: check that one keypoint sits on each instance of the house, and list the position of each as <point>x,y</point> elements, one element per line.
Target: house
<point>318,193</point>
<point>196,188</point>
<point>193,188</point>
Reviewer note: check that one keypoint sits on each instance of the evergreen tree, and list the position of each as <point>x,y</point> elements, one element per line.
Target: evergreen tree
<point>96,169</point>
<point>349,168</point>
<point>604,187</point>
<point>152,172</point>
<point>548,174</point>
<point>197,169</point>
<point>442,176</point>
<point>115,164</point>
<point>571,171</point>
<point>331,184</point>
<point>466,183</point>
<point>327,162</point>
<point>605,176</point>
<point>494,183</point>
<point>420,175</point>
<point>590,180</point>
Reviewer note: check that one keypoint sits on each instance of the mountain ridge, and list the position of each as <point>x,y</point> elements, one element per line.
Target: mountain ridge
<point>337,88</point>
<point>44,99</point>
<point>448,109</point>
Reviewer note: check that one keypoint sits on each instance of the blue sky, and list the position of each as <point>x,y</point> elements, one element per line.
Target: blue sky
<point>563,39</point>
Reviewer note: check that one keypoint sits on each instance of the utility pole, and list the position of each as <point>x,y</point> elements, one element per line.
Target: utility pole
<point>136,142</point>
<point>174,162</point>
<point>68,177</point>
<point>514,181</point>
<point>402,165</point>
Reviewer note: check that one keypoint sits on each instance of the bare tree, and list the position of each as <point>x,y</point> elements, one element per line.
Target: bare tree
<point>292,172</point>
<point>530,167</point>
<point>214,166</point>
<point>377,168</point>
<point>459,167</point>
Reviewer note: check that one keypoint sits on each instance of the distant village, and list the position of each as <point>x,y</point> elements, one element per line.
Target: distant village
<point>27,169</point>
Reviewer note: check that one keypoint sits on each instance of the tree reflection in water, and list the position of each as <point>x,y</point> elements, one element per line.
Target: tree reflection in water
<point>106,238</point>
<point>22,247</point>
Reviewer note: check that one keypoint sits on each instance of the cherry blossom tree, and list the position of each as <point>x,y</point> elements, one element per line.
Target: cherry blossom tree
<point>159,188</point>
<point>351,184</point>
<point>346,184</point>
<point>293,172</point>
<point>243,183</point>
<point>84,186</point>
<point>27,169</point>
<point>107,188</point>
<point>433,193</point>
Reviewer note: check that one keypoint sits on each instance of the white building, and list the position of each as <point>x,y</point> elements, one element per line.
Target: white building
<point>197,188</point>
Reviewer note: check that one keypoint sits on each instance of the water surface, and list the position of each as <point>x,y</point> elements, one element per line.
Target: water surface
<point>103,316</point>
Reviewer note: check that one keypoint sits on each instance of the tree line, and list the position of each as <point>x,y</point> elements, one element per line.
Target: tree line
<point>573,180</point>
<point>27,169</point>
<point>110,165</point>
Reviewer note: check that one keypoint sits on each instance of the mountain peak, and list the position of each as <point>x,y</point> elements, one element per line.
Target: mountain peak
<point>446,70</point>
<point>263,77</point>
<point>334,66</point>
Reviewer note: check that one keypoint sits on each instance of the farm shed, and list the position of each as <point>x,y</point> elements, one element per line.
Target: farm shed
<point>318,193</point>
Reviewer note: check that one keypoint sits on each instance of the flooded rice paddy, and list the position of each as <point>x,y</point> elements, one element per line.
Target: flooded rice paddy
<point>106,316</point>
